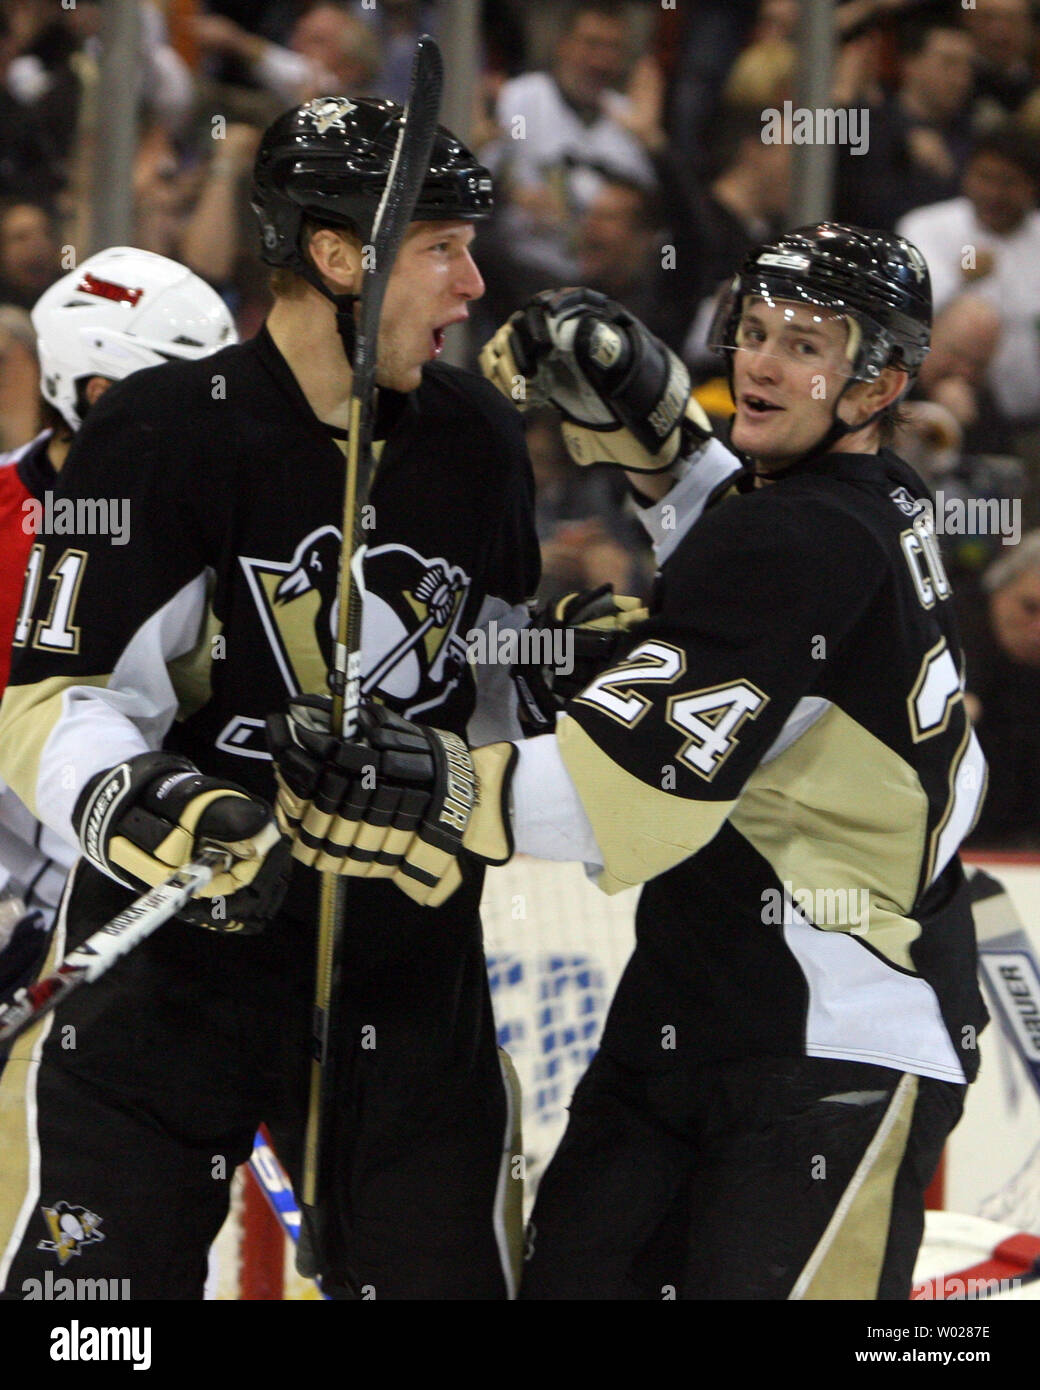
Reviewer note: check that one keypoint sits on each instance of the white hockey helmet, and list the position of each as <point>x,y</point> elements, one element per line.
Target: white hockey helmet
<point>121,310</point>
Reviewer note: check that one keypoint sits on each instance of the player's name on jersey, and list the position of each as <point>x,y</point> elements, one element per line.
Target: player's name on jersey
<point>80,516</point>
<point>527,646</point>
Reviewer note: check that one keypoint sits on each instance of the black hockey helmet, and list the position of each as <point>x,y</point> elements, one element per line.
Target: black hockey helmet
<point>329,159</point>
<point>877,279</point>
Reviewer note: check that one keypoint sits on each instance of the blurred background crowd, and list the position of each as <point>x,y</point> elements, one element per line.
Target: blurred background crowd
<point>626,140</point>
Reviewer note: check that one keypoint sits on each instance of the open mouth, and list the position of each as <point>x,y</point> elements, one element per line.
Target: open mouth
<point>438,341</point>
<point>758,405</point>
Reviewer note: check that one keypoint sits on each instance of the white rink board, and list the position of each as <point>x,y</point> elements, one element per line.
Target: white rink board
<point>556,948</point>
<point>993,1157</point>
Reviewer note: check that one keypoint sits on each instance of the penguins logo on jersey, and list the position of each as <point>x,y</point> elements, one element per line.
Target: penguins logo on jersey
<point>72,1228</point>
<point>413,653</point>
<point>296,601</point>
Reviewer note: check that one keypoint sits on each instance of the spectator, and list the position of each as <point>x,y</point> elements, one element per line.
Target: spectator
<point>330,51</point>
<point>929,438</point>
<point>763,75</point>
<point>19,379</point>
<point>989,239</point>
<point>29,252</point>
<point>1004,35</point>
<point>397,24</point>
<point>975,495</point>
<point>29,158</point>
<point>777,19</point>
<point>211,238</point>
<point>162,79</point>
<point>194,212</point>
<point>964,340</point>
<point>273,19</point>
<point>1003,678</point>
<point>585,539</point>
<point>765,72</point>
<point>859,67</point>
<point>918,137</point>
<point>505,37</point>
<point>712,36</point>
<point>560,131</point>
<point>746,202</point>
<point>620,254</point>
<point>164,190</point>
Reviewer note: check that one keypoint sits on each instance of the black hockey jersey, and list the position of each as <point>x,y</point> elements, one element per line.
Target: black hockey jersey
<point>784,758</point>
<point>213,599</point>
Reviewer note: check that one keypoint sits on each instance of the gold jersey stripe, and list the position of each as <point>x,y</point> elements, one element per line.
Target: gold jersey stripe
<point>641,830</point>
<point>28,716</point>
<point>192,672</point>
<point>822,825</point>
<point>19,1147</point>
<point>486,832</point>
<point>847,1261</point>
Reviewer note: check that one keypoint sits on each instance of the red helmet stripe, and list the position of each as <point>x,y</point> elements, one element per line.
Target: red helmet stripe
<point>108,289</point>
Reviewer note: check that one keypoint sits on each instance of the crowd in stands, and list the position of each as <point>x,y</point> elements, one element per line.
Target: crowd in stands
<point>627,140</point>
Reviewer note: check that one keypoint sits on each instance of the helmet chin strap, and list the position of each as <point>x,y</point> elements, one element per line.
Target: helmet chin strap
<point>838,427</point>
<point>343,305</point>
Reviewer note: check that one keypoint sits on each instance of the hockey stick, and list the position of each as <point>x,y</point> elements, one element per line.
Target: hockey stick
<point>96,955</point>
<point>273,1182</point>
<point>408,169</point>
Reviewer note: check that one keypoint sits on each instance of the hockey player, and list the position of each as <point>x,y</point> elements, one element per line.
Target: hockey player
<point>134,724</point>
<point>120,310</point>
<point>783,757</point>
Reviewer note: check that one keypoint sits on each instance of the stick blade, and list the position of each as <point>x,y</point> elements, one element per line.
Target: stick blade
<point>408,170</point>
<point>411,160</point>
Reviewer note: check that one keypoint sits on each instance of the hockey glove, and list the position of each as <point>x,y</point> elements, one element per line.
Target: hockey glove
<point>623,395</point>
<point>402,801</point>
<point>140,821</point>
<point>576,638</point>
